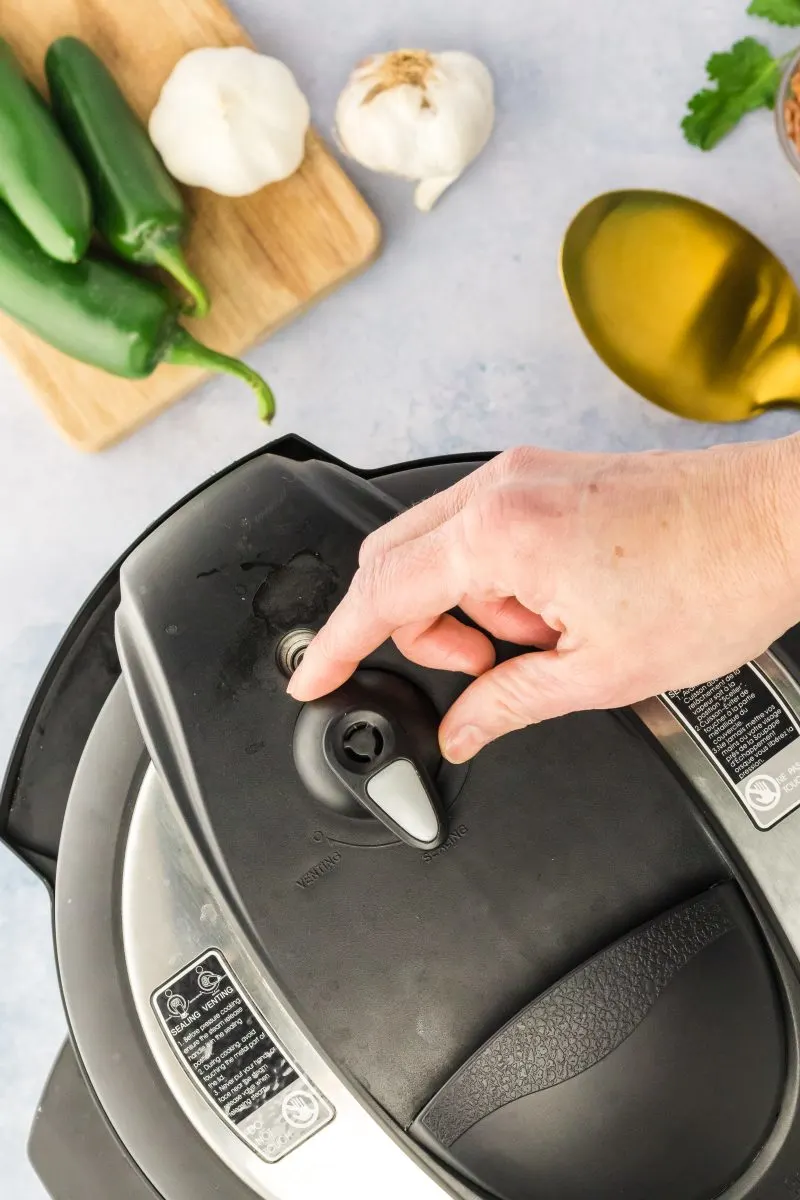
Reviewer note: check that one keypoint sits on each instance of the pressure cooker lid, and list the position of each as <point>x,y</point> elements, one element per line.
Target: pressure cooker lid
<point>539,966</point>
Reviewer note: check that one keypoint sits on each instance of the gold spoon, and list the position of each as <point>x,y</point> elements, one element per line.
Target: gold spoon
<point>685,305</point>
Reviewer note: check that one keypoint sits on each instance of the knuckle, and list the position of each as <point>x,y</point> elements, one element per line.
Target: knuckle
<point>371,547</point>
<point>518,460</point>
<point>371,588</point>
<point>484,518</point>
<point>365,584</point>
<point>491,509</point>
<point>499,521</point>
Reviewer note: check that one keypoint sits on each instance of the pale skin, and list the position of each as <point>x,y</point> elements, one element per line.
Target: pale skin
<point>631,574</point>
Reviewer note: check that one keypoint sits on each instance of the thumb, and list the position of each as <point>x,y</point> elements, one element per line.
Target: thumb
<point>520,692</point>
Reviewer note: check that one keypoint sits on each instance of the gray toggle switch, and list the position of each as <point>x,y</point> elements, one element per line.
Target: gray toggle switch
<point>399,791</point>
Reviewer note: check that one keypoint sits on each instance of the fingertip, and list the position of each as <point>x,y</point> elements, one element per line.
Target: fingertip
<point>481,657</point>
<point>473,661</point>
<point>446,645</point>
<point>317,675</point>
<point>298,690</point>
<point>462,744</point>
<point>309,684</point>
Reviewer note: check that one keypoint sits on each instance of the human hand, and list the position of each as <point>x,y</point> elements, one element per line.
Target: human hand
<point>632,573</point>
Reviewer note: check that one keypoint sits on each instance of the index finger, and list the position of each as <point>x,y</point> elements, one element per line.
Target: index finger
<point>426,516</point>
<point>413,583</point>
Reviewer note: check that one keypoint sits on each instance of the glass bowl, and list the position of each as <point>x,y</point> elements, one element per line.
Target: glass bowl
<point>791,150</point>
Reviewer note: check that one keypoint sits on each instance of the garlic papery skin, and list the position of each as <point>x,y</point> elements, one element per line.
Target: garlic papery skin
<point>418,115</point>
<point>230,120</point>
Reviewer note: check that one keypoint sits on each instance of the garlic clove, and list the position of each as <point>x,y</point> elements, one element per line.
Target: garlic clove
<point>417,115</point>
<point>428,191</point>
<point>230,120</point>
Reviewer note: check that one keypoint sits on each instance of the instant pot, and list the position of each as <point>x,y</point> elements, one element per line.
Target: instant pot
<point>300,955</point>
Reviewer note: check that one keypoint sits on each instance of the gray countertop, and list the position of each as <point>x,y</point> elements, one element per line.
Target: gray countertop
<point>458,338</point>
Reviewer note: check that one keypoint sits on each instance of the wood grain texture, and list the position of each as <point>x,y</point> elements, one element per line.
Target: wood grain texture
<point>264,258</point>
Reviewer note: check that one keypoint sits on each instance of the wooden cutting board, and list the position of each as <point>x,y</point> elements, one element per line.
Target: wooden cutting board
<point>264,258</point>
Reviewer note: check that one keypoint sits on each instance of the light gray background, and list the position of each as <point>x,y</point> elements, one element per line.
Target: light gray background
<point>459,338</point>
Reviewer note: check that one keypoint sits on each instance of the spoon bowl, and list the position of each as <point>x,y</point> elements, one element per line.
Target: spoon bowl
<point>684,305</point>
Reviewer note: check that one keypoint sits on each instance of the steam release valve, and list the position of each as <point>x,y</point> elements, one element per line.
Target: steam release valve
<point>371,749</point>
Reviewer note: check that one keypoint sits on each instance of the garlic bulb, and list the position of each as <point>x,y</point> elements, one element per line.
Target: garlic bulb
<point>230,120</point>
<point>418,115</point>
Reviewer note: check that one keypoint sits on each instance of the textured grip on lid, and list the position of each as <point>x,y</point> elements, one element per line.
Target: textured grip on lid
<point>580,1020</point>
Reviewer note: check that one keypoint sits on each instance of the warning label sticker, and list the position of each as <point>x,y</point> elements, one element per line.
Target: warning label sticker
<point>750,734</point>
<point>236,1060</point>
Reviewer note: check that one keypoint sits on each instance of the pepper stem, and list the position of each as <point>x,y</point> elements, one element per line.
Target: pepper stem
<point>185,351</point>
<point>170,256</point>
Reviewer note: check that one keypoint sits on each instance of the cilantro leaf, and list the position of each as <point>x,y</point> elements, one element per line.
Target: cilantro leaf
<point>746,78</point>
<point>780,12</point>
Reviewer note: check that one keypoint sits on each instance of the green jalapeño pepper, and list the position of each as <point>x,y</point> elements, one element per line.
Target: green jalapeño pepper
<point>102,314</point>
<point>138,207</point>
<point>39,175</point>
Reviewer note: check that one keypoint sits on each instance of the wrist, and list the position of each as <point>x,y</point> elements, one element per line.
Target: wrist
<point>774,489</point>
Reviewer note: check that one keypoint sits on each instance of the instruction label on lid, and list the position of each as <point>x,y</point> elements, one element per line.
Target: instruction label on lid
<point>750,734</point>
<point>236,1061</point>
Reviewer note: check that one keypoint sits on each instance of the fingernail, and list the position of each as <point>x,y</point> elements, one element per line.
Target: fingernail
<point>464,744</point>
